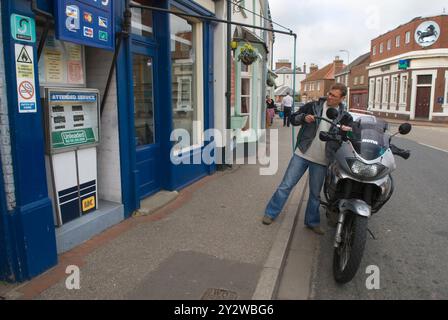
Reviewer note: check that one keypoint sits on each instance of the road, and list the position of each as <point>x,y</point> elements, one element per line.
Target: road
<point>411,231</point>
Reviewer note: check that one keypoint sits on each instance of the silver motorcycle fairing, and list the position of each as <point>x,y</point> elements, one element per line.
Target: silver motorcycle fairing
<point>356,206</point>
<point>347,151</point>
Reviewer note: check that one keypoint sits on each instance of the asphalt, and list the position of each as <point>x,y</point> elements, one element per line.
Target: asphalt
<point>207,243</point>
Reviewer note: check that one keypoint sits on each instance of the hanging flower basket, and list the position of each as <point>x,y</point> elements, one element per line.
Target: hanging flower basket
<point>247,55</point>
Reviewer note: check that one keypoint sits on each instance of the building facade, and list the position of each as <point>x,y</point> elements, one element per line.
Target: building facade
<point>408,73</point>
<point>284,71</point>
<point>319,81</point>
<point>88,130</point>
<point>355,77</point>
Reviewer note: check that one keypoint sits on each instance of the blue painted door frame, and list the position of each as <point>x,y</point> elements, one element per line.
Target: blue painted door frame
<point>30,226</point>
<point>148,156</point>
<point>174,177</point>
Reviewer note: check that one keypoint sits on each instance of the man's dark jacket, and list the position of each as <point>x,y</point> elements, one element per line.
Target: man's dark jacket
<point>308,131</point>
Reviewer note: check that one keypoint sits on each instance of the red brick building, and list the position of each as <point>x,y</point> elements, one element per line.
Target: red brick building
<point>408,73</point>
<point>319,81</point>
<point>355,77</point>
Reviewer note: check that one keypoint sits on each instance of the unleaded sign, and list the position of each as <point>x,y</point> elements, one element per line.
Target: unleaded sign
<point>86,22</point>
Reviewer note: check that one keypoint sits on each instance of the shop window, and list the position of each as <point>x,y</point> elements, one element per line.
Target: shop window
<point>403,89</point>
<point>143,99</point>
<point>446,88</point>
<point>186,64</point>
<point>61,63</point>
<point>378,91</point>
<point>386,90</point>
<point>142,21</point>
<point>394,91</point>
<point>246,89</point>
<point>371,91</point>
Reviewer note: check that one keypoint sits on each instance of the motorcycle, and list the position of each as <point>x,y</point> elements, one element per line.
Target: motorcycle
<point>357,185</point>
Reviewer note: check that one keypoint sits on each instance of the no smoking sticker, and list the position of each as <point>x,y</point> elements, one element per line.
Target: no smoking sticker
<point>26,90</point>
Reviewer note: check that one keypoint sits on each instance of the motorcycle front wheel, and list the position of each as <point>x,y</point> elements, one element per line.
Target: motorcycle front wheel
<point>347,257</point>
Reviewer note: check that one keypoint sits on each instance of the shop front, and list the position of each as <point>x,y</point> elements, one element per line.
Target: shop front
<point>92,109</point>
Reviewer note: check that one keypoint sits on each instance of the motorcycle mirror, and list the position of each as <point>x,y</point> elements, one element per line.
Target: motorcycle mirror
<point>405,128</point>
<point>332,113</point>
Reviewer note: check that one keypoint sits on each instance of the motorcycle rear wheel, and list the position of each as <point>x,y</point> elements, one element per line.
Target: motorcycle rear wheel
<point>347,258</point>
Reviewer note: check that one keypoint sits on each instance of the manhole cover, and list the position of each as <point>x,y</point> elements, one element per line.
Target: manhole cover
<point>219,294</point>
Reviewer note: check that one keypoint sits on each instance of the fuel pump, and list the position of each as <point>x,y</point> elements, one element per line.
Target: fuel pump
<point>72,137</point>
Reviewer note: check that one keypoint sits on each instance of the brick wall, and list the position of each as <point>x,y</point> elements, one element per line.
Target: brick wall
<point>98,63</point>
<point>358,72</point>
<point>5,141</point>
<point>411,27</point>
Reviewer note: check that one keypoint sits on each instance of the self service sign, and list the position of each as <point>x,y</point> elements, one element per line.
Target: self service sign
<point>86,22</point>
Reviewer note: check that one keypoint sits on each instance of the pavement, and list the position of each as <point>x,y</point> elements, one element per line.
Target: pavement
<point>207,243</point>
<point>417,123</point>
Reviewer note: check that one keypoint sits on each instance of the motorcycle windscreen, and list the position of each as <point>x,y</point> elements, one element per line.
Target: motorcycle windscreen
<point>369,143</point>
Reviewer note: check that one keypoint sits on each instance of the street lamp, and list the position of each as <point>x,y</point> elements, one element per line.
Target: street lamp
<point>348,55</point>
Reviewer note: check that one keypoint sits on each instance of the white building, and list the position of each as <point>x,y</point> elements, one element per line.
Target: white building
<point>248,82</point>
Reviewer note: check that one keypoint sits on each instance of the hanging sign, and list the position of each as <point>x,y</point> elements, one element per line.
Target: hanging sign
<point>26,88</point>
<point>23,28</point>
<point>87,22</point>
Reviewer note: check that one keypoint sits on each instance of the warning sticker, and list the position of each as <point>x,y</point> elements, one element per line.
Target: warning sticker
<point>26,88</point>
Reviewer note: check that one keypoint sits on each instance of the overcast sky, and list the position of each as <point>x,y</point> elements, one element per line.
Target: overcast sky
<point>326,26</point>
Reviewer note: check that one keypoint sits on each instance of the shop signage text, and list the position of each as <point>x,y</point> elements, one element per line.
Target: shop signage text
<point>63,139</point>
<point>70,97</point>
<point>86,22</point>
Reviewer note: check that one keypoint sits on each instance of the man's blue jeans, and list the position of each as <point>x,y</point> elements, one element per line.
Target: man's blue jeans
<point>296,169</point>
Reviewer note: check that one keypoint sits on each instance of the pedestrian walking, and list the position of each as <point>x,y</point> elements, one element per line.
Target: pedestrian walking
<point>270,111</point>
<point>287,104</point>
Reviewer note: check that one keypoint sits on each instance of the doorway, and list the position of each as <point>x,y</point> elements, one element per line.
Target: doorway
<point>423,102</point>
<point>147,140</point>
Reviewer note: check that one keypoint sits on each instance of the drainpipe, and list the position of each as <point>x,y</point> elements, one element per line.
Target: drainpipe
<point>229,78</point>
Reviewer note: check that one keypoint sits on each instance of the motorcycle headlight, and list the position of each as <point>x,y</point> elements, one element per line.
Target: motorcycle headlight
<point>363,170</point>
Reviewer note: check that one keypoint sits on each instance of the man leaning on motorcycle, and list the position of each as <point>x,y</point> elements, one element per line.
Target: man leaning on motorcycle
<point>311,154</point>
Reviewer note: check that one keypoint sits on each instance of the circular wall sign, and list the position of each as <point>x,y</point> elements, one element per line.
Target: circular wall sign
<point>427,33</point>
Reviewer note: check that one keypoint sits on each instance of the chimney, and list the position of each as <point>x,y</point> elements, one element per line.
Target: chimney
<point>313,68</point>
<point>304,68</point>
<point>338,64</point>
<point>283,63</point>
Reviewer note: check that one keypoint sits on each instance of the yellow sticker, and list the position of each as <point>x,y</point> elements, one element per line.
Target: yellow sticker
<point>88,204</point>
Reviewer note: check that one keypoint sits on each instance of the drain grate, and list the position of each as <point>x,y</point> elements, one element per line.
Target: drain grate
<point>219,294</point>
